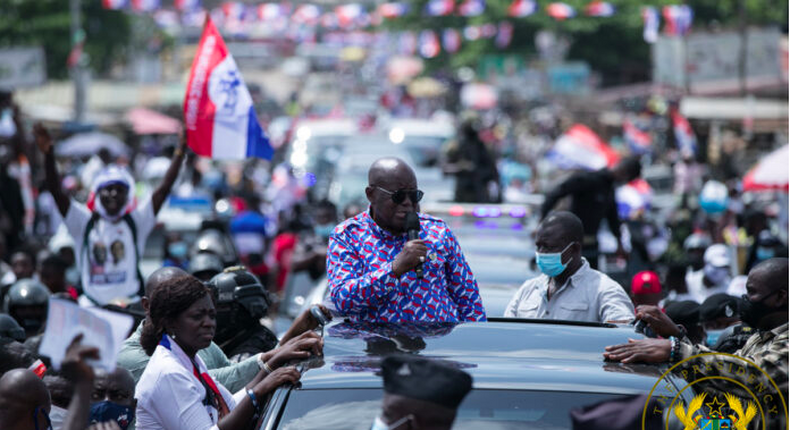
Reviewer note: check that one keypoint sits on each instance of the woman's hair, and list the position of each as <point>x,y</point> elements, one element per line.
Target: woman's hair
<point>168,300</point>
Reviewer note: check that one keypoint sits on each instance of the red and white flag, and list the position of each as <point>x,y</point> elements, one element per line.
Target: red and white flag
<point>218,111</point>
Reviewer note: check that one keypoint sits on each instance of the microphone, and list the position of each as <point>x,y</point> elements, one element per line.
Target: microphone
<point>413,231</point>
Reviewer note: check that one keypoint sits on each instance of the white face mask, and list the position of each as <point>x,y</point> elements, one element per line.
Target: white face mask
<point>57,415</point>
<point>717,275</point>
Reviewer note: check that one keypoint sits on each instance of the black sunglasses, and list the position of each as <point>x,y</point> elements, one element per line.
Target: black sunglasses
<point>399,196</point>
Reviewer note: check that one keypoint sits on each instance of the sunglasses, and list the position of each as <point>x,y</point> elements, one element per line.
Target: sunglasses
<point>399,196</point>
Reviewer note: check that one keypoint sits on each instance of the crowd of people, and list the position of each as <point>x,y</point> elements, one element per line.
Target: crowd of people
<point>711,275</point>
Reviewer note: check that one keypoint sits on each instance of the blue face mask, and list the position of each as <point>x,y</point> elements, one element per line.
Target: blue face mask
<point>713,337</point>
<point>109,411</point>
<point>765,253</point>
<point>177,249</point>
<point>551,264</point>
<point>324,230</point>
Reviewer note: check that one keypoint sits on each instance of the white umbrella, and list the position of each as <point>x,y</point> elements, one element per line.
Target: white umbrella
<point>770,173</point>
<point>85,144</point>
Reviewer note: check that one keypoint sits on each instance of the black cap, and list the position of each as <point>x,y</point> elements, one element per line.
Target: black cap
<point>718,306</point>
<point>11,329</point>
<point>426,380</point>
<point>685,312</point>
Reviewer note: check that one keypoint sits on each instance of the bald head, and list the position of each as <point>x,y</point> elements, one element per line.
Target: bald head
<point>161,275</point>
<point>772,273</point>
<point>116,386</point>
<point>21,392</point>
<point>568,226</point>
<point>388,168</point>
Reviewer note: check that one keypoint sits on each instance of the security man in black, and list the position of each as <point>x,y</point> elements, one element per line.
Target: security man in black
<point>241,301</point>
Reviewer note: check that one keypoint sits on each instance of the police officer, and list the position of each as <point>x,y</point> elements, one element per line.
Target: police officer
<point>27,302</point>
<point>241,301</point>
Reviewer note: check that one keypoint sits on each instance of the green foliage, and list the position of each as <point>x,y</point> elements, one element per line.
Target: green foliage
<point>46,23</point>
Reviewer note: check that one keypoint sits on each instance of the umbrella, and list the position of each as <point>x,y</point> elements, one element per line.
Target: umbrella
<point>147,121</point>
<point>479,96</point>
<point>770,173</point>
<point>85,144</point>
<point>580,147</point>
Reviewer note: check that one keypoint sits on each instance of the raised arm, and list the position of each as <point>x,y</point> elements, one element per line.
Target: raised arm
<point>44,143</point>
<point>567,187</point>
<point>161,193</point>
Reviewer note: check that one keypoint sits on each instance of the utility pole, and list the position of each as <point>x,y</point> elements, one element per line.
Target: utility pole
<point>78,72</point>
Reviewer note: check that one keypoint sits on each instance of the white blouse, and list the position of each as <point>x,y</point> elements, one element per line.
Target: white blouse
<point>170,396</point>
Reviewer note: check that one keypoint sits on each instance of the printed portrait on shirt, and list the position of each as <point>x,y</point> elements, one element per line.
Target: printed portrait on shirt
<point>112,255</point>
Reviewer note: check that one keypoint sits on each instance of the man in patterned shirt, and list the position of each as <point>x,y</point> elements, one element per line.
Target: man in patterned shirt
<point>371,262</point>
<point>764,309</point>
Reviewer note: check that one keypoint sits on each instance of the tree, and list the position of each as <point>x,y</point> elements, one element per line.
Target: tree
<point>46,23</point>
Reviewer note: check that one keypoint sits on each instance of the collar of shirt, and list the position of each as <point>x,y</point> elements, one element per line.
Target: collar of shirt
<point>379,232</point>
<point>576,278</point>
<point>775,332</point>
<point>182,357</point>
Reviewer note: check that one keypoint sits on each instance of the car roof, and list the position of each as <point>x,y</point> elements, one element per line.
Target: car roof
<point>499,354</point>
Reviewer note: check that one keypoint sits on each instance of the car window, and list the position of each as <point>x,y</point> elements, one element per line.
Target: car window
<point>352,409</point>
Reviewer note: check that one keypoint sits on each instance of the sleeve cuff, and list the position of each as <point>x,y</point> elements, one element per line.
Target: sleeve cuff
<point>687,349</point>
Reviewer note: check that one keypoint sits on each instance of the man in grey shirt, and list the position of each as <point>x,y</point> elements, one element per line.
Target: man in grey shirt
<point>568,288</point>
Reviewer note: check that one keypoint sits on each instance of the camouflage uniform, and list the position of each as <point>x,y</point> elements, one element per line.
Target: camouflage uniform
<point>767,349</point>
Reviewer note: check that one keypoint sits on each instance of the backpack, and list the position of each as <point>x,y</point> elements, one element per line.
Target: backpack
<point>127,218</point>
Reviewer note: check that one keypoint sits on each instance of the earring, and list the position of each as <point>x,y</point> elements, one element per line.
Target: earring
<point>173,336</point>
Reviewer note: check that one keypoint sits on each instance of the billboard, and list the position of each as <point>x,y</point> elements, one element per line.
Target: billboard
<point>22,67</point>
<point>709,62</point>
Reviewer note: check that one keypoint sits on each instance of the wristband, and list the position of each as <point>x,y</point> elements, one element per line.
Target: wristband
<point>267,369</point>
<point>253,399</point>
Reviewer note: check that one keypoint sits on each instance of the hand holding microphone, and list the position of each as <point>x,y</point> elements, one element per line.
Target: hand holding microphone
<point>414,252</point>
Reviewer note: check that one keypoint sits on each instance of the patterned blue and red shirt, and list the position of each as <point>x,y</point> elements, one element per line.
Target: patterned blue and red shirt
<point>363,287</point>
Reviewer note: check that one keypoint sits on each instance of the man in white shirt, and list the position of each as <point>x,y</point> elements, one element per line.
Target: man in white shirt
<point>111,230</point>
<point>568,289</point>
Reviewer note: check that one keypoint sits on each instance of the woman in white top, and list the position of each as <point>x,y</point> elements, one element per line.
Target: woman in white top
<point>175,390</point>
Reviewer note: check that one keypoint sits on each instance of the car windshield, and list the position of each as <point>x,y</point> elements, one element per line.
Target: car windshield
<point>352,409</point>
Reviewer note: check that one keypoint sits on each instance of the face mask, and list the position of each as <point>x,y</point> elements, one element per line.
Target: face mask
<point>753,312</point>
<point>379,424</point>
<point>177,249</point>
<point>324,230</point>
<point>765,253</point>
<point>713,337</point>
<point>57,416</point>
<point>109,411</point>
<point>551,264</point>
<point>717,275</point>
